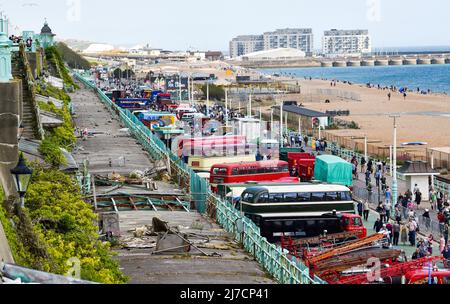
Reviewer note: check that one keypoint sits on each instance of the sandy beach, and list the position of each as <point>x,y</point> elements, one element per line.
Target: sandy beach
<point>424,118</point>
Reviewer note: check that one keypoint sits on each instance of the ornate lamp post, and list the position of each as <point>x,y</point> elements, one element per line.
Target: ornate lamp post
<point>22,176</point>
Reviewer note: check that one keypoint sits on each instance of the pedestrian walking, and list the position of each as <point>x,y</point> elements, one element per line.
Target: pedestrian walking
<point>442,243</point>
<point>360,209</point>
<point>367,178</point>
<point>366,210</point>
<point>378,225</point>
<point>398,214</point>
<point>387,210</point>
<point>382,212</point>
<point>363,164</point>
<point>378,178</point>
<point>418,199</point>
<point>427,219</point>
<point>396,228</point>
<point>403,234</point>
<point>412,228</point>
<point>383,183</point>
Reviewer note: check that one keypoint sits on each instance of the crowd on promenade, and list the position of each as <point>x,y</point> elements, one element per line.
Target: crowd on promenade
<point>409,212</point>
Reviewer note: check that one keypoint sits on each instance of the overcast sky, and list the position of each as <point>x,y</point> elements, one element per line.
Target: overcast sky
<point>210,24</point>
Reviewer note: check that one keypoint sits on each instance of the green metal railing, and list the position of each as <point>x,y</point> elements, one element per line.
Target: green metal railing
<point>272,258</point>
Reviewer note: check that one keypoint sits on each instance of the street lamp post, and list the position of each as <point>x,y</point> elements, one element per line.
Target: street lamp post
<point>281,124</point>
<point>394,165</point>
<point>207,98</point>
<point>22,176</point>
<point>365,148</point>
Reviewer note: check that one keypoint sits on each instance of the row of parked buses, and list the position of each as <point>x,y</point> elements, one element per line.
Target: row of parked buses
<point>280,203</point>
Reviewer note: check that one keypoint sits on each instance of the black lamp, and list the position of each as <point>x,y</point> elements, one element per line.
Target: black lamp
<point>22,176</point>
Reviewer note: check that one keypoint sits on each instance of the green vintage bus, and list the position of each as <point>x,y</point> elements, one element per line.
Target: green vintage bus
<point>300,210</point>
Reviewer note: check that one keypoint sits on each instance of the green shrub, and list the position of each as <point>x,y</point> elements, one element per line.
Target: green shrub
<point>215,92</point>
<point>66,224</point>
<point>51,152</point>
<point>52,55</point>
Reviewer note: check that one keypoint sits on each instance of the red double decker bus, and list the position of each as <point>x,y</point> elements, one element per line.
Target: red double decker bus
<point>262,171</point>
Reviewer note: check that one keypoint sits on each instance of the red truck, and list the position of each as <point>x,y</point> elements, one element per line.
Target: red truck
<point>303,163</point>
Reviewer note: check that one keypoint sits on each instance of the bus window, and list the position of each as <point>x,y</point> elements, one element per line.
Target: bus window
<point>235,171</point>
<point>220,171</point>
<point>248,197</point>
<point>276,198</point>
<point>332,197</point>
<point>304,197</point>
<point>290,197</point>
<point>285,168</point>
<point>318,196</point>
<point>345,196</point>
<point>260,171</point>
<point>243,171</point>
<point>264,199</point>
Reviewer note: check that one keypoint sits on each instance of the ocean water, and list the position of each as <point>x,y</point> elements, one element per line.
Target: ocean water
<point>433,77</point>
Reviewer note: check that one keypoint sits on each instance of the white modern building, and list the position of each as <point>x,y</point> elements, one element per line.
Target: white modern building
<point>300,39</point>
<point>246,44</point>
<point>346,43</point>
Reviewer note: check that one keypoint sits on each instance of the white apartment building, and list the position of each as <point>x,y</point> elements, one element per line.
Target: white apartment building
<point>246,44</point>
<point>346,43</point>
<point>300,39</point>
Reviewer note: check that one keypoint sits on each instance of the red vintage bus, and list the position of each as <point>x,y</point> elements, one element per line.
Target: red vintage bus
<point>262,171</point>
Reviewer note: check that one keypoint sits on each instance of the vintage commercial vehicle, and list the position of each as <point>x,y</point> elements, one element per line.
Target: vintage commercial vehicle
<point>301,210</point>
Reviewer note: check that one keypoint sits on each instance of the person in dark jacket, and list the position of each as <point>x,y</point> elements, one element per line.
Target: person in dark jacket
<point>360,209</point>
<point>426,218</point>
<point>378,225</point>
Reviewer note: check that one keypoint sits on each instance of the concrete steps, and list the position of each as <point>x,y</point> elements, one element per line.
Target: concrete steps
<point>28,116</point>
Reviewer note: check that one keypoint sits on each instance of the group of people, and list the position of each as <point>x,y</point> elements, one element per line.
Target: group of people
<point>15,39</point>
<point>18,39</point>
<point>295,140</point>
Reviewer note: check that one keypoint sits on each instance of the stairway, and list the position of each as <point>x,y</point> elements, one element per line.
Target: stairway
<point>28,117</point>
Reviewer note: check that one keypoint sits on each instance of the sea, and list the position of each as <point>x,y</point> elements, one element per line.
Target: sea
<point>433,77</point>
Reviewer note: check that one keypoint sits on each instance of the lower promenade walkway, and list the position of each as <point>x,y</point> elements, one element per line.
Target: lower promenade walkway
<point>226,263</point>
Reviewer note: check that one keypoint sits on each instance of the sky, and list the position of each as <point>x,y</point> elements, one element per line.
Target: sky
<point>210,24</point>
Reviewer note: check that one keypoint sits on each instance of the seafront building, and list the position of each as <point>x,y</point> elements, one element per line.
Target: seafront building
<point>245,44</point>
<point>346,43</point>
<point>300,39</point>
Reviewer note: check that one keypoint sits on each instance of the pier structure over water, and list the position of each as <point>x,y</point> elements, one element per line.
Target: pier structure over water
<point>419,59</point>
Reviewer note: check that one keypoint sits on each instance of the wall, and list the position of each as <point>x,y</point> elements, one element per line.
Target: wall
<point>10,102</point>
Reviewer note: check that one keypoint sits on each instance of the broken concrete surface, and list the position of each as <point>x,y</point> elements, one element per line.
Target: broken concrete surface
<point>234,266</point>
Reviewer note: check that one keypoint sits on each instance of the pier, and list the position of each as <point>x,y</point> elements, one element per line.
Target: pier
<point>419,59</point>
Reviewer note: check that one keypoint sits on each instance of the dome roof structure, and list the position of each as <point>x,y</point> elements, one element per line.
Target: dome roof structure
<point>46,29</point>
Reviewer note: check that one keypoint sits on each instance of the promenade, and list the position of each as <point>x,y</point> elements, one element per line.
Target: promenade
<point>226,263</point>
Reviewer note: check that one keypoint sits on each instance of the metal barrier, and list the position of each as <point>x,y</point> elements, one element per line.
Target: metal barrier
<point>271,257</point>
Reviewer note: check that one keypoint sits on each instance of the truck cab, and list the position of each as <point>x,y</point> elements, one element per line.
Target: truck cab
<point>353,222</point>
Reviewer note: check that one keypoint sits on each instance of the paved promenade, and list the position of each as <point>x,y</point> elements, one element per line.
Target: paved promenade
<point>232,266</point>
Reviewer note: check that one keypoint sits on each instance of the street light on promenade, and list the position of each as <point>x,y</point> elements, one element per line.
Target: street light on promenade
<point>394,165</point>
